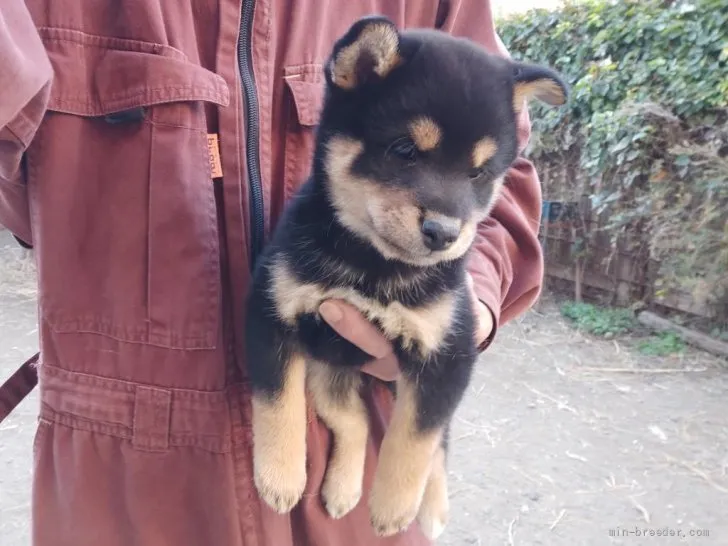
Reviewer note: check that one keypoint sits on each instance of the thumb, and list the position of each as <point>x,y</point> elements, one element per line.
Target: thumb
<point>353,326</point>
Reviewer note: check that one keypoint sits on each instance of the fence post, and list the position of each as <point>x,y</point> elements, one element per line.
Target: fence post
<point>580,235</point>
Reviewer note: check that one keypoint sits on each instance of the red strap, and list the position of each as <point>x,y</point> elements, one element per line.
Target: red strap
<point>20,385</point>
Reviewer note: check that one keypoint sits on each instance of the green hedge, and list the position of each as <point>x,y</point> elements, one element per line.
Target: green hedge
<point>645,132</point>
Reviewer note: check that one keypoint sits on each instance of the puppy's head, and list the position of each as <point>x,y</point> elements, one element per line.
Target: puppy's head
<point>417,131</point>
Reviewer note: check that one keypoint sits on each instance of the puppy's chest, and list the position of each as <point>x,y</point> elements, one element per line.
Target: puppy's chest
<point>424,326</point>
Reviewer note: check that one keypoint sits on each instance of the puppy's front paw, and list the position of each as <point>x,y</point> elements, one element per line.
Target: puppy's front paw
<point>279,440</point>
<point>393,508</point>
<point>392,519</point>
<point>280,481</point>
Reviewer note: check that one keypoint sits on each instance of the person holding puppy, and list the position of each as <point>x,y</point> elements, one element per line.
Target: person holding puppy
<point>147,150</point>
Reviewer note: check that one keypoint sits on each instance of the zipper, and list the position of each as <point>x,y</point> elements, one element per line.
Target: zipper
<point>252,125</point>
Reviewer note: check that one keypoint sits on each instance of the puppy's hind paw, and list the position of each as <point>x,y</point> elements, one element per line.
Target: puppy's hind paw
<point>338,500</point>
<point>432,522</point>
<point>435,508</point>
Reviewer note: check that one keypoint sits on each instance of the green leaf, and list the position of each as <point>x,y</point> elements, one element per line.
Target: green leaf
<point>622,144</point>
<point>682,161</point>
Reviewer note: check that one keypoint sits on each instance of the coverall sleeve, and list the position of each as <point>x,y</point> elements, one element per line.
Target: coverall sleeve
<point>25,80</point>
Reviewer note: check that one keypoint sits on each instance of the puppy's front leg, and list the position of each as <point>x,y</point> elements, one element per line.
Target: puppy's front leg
<point>279,435</point>
<point>405,461</point>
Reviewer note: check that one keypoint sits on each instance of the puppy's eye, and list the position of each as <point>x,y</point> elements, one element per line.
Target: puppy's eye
<point>476,173</point>
<point>404,148</point>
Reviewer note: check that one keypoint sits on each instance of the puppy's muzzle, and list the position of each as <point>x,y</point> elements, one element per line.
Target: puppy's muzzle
<point>440,233</point>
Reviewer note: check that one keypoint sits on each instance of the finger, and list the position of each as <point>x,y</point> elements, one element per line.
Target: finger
<point>482,313</point>
<point>386,369</point>
<point>471,285</point>
<point>350,324</point>
<point>485,323</point>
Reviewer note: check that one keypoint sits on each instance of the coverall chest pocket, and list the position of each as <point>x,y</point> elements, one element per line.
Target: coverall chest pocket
<point>122,200</point>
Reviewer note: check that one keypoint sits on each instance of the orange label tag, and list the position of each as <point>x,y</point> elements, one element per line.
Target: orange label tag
<point>213,151</point>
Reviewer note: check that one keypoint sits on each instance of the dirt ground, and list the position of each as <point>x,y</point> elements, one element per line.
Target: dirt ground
<point>562,440</point>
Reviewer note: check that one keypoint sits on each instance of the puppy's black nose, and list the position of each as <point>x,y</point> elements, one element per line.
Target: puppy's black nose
<point>439,236</point>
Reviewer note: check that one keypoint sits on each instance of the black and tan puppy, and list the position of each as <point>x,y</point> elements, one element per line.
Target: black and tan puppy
<point>416,133</point>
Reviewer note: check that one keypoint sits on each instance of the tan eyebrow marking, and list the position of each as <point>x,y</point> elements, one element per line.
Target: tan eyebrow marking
<point>426,133</point>
<point>483,150</point>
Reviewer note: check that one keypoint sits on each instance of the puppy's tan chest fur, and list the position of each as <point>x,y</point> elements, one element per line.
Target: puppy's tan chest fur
<point>424,327</point>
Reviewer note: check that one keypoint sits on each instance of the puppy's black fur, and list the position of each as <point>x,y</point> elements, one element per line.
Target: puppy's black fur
<point>417,131</point>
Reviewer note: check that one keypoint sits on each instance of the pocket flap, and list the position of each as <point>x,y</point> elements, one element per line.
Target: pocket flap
<point>306,84</point>
<point>98,75</point>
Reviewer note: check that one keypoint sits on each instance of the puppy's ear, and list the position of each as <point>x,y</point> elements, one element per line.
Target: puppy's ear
<point>367,52</point>
<point>539,82</point>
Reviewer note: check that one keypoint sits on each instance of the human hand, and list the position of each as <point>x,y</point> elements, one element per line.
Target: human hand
<point>351,324</point>
<point>482,314</point>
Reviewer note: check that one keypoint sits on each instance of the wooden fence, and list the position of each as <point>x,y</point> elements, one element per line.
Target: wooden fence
<point>579,255</point>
